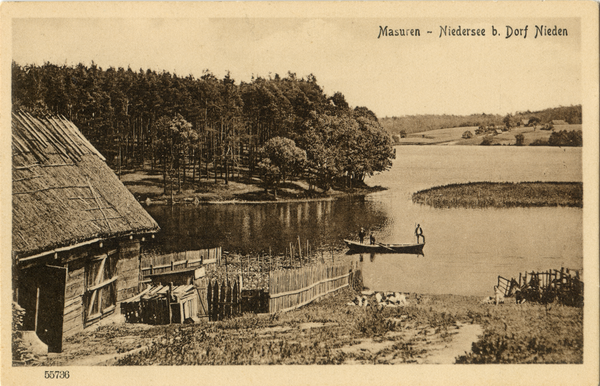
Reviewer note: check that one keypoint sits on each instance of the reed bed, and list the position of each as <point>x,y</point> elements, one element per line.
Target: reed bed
<point>502,195</point>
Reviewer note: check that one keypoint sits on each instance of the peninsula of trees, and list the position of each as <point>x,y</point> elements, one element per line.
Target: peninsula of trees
<point>276,128</point>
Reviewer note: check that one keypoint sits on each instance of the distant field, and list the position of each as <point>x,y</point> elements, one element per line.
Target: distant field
<point>453,136</point>
<point>437,136</point>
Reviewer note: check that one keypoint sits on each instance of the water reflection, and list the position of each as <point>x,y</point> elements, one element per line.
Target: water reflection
<point>258,227</point>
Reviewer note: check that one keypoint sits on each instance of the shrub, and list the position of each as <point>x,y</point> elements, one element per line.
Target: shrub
<point>520,139</point>
<point>539,142</point>
<point>487,140</point>
<point>566,138</point>
<point>374,323</point>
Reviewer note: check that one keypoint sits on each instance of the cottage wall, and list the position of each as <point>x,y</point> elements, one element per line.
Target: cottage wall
<point>127,284</point>
<point>128,269</point>
<point>74,291</point>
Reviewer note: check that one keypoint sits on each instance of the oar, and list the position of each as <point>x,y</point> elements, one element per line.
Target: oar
<point>385,246</point>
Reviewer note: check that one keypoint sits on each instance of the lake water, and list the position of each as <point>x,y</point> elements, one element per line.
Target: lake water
<point>466,249</point>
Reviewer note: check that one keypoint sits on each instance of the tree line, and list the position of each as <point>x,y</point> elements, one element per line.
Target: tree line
<point>420,123</point>
<point>215,127</point>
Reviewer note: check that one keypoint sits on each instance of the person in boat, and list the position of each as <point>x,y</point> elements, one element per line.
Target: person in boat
<point>372,239</point>
<point>361,235</point>
<point>419,233</point>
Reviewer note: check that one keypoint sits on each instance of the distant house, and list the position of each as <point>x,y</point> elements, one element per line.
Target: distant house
<point>76,230</point>
<point>559,122</point>
<point>524,122</point>
<point>498,131</point>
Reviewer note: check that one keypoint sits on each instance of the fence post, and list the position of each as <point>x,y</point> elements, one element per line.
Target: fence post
<point>300,251</point>
<point>215,305</point>
<point>228,305</point>
<point>209,300</point>
<point>222,299</point>
<point>236,298</point>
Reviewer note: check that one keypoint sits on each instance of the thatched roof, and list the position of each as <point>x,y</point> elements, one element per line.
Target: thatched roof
<point>63,192</point>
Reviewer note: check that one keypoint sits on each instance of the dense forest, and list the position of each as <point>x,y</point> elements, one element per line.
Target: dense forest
<point>276,128</point>
<point>419,123</point>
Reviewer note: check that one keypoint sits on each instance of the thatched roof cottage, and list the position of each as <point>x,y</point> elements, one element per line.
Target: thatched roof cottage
<point>76,230</point>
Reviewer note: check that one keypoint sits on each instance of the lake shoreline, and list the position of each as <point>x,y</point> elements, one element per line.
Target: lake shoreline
<point>502,195</point>
<point>147,188</point>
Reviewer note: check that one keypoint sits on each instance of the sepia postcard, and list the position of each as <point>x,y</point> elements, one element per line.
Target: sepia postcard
<point>300,193</point>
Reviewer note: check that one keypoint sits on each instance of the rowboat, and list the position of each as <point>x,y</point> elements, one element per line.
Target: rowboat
<point>356,247</point>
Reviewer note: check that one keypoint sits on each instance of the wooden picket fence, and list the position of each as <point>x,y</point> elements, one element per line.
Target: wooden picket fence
<point>177,260</point>
<point>545,286</point>
<point>290,289</point>
<point>224,299</point>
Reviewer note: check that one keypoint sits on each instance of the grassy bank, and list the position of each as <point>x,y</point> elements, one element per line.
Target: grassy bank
<point>430,329</point>
<point>149,185</point>
<point>502,195</point>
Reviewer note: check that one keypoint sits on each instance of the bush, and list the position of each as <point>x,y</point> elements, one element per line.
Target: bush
<point>374,323</point>
<point>539,142</point>
<point>566,138</point>
<point>467,134</point>
<point>520,139</point>
<point>487,140</point>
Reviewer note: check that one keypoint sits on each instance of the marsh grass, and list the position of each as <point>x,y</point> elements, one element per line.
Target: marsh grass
<point>502,195</point>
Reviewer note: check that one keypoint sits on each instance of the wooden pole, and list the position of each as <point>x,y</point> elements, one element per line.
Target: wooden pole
<point>169,302</point>
<point>300,251</point>
<point>37,307</point>
<point>241,269</point>
<point>307,251</point>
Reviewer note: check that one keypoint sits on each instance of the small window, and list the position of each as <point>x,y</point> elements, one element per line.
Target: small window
<point>100,285</point>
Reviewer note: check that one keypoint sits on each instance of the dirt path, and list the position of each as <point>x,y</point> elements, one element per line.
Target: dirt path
<point>435,348</point>
<point>462,340</point>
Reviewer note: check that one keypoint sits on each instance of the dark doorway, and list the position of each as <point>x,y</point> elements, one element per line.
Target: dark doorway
<point>42,295</point>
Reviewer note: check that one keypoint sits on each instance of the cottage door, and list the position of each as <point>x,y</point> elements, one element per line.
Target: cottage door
<point>51,284</point>
<point>101,292</point>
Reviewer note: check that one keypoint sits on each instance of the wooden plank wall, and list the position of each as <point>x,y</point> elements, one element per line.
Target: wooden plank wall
<point>73,308</point>
<point>290,289</point>
<point>128,269</point>
<point>178,260</point>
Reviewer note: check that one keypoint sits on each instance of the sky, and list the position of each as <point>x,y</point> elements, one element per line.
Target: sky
<point>391,75</point>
